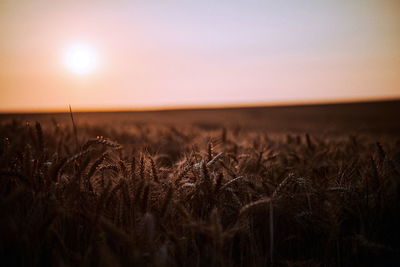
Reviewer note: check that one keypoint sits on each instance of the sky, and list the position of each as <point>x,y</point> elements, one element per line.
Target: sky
<point>167,54</point>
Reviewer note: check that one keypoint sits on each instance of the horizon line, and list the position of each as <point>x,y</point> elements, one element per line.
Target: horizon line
<point>198,106</point>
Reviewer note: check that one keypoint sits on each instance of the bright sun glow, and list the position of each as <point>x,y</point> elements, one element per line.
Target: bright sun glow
<point>80,58</point>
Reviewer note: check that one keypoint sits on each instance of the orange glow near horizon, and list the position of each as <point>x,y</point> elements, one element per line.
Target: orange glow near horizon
<point>195,54</point>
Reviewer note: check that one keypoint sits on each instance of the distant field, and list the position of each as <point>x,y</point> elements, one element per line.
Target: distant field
<point>369,117</point>
<point>268,186</point>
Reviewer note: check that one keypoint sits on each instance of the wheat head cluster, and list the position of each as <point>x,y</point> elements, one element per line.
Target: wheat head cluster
<point>159,195</point>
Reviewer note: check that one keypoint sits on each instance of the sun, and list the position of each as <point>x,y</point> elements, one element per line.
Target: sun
<point>80,58</point>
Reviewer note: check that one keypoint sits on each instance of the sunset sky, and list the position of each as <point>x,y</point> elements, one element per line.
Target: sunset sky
<point>157,54</point>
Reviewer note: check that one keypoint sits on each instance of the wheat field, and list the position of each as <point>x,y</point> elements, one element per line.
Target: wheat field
<point>82,193</point>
